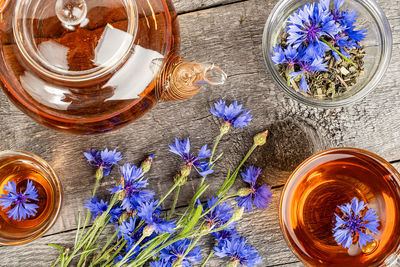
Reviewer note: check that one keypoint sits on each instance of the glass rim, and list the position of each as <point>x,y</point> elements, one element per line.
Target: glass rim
<point>58,197</point>
<point>387,43</point>
<point>384,163</point>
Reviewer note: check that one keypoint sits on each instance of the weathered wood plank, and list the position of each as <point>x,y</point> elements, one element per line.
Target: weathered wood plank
<point>184,6</point>
<point>233,34</point>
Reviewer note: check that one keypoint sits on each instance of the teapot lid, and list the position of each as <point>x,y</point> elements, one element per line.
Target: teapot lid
<point>42,33</point>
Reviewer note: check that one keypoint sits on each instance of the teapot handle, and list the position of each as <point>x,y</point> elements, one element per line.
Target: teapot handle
<point>3,5</point>
<point>181,79</point>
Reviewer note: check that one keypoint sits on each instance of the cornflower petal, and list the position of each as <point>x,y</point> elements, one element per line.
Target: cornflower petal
<point>182,148</point>
<point>149,213</point>
<point>103,159</point>
<point>354,223</point>
<point>260,196</point>
<point>233,114</point>
<point>19,203</point>
<point>237,250</point>
<point>176,250</point>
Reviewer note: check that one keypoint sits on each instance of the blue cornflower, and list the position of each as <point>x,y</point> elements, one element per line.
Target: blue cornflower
<point>308,65</point>
<point>233,114</point>
<point>347,37</point>
<point>288,55</point>
<point>182,148</point>
<point>116,213</point>
<point>176,251</point>
<point>96,207</point>
<point>127,231</point>
<point>20,202</point>
<point>160,264</point>
<point>307,26</point>
<point>229,233</point>
<point>255,195</point>
<point>103,159</point>
<point>354,224</point>
<point>133,187</point>
<point>219,215</point>
<point>151,215</point>
<point>239,253</point>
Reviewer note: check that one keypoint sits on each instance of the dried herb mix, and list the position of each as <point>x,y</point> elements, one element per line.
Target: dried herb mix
<point>320,52</point>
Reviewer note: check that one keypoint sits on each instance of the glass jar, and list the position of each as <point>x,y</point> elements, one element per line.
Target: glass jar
<point>378,49</point>
<point>330,179</point>
<point>20,169</point>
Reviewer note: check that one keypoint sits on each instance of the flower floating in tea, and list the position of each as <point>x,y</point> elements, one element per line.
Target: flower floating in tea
<point>21,203</point>
<point>260,196</point>
<point>355,223</point>
<point>319,53</point>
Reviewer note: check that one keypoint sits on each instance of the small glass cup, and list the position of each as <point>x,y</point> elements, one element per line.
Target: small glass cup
<point>19,168</point>
<point>323,182</point>
<point>378,48</point>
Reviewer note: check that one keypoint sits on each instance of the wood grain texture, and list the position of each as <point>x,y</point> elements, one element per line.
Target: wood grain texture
<point>229,35</point>
<point>185,6</point>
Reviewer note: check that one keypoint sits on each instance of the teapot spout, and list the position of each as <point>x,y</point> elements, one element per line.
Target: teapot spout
<point>183,79</point>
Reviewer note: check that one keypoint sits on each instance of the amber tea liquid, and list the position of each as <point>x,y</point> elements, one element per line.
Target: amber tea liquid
<point>334,178</point>
<point>20,168</point>
<point>114,87</point>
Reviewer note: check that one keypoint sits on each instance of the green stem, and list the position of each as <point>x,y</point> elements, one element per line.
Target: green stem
<point>208,258</point>
<point>129,254</point>
<point>232,178</point>
<point>219,137</point>
<point>337,51</point>
<point>245,158</point>
<point>172,211</point>
<point>177,183</point>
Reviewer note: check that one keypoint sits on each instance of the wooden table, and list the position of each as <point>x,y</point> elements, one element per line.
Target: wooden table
<point>227,32</point>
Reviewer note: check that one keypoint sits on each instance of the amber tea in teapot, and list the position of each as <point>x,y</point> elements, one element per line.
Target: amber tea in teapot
<point>90,66</point>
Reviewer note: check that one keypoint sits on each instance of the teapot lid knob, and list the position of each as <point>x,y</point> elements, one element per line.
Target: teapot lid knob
<point>71,12</point>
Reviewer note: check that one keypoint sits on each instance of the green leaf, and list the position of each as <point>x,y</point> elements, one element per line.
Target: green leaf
<point>61,257</point>
<point>56,247</point>
<point>222,189</point>
<point>195,218</point>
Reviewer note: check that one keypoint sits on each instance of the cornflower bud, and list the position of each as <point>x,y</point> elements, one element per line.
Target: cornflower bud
<point>124,217</point>
<point>261,138</point>
<point>99,173</point>
<point>205,228</point>
<point>121,195</point>
<point>186,170</point>
<point>233,263</point>
<point>244,192</point>
<point>148,231</point>
<point>237,215</point>
<point>146,165</point>
<point>225,128</point>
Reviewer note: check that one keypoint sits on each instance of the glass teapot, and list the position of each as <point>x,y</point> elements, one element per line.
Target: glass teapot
<point>90,66</point>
